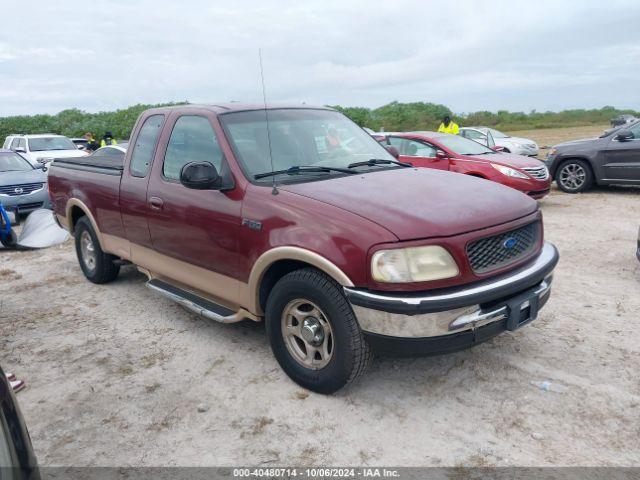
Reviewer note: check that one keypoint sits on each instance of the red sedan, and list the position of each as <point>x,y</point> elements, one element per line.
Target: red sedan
<point>458,154</point>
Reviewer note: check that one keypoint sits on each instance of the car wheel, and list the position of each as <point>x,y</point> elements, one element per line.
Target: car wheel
<point>574,176</point>
<point>97,266</point>
<point>10,240</point>
<point>313,332</point>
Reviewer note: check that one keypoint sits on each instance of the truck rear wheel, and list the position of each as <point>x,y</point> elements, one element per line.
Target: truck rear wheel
<point>97,266</point>
<point>313,332</point>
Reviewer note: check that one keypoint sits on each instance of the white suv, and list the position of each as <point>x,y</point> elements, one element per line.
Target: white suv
<point>42,148</point>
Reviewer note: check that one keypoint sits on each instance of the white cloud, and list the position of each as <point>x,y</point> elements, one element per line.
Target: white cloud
<point>468,55</point>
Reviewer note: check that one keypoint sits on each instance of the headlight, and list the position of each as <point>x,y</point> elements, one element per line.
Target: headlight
<point>415,264</point>
<point>508,171</point>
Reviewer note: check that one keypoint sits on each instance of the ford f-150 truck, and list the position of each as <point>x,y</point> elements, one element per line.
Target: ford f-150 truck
<point>296,216</point>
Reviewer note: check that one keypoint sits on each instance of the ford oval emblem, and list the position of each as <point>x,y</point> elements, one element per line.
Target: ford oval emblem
<point>509,243</point>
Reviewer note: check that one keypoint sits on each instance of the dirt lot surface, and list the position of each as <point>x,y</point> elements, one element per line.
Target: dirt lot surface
<point>120,376</point>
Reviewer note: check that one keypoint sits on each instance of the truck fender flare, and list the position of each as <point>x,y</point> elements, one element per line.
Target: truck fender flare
<point>269,257</point>
<point>74,202</point>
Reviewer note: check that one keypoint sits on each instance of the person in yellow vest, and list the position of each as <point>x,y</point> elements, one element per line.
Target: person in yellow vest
<point>448,126</point>
<point>92,143</point>
<point>107,139</point>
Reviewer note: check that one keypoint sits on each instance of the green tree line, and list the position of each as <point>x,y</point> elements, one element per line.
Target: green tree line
<point>397,116</point>
<point>394,116</point>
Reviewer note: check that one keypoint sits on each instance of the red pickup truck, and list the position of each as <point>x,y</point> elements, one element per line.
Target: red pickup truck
<point>296,216</point>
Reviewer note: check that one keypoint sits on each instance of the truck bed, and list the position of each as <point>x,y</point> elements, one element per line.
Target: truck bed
<point>107,165</point>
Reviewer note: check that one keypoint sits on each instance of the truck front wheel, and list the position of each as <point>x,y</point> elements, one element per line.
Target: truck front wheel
<point>97,266</point>
<point>313,332</point>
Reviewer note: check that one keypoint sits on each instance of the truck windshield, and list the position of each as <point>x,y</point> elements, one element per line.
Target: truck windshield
<point>50,143</point>
<point>463,146</point>
<point>300,138</point>
<point>12,162</point>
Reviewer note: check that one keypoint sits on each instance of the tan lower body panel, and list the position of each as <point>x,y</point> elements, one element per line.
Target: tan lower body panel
<point>220,289</point>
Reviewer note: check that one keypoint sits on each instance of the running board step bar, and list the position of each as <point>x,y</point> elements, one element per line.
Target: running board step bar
<point>195,303</point>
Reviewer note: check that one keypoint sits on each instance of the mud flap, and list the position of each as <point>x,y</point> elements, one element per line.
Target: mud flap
<point>40,230</point>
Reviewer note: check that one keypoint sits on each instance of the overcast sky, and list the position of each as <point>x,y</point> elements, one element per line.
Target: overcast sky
<point>475,55</point>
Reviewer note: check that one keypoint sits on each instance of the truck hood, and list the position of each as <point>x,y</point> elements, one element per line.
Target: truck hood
<point>17,178</point>
<point>509,159</point>
<point>420,203</point>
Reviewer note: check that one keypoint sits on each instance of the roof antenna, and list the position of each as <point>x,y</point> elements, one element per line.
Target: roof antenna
<point>274,190</point>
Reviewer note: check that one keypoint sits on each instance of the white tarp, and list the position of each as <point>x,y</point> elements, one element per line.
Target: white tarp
<point>40,230</point>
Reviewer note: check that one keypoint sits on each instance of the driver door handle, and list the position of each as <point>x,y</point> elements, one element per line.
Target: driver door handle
<point>156,203</point>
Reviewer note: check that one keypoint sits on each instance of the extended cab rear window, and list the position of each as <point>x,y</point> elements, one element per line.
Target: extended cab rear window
<point>145,145</point>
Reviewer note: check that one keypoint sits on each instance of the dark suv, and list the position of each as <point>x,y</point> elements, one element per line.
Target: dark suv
<point>612,158</point>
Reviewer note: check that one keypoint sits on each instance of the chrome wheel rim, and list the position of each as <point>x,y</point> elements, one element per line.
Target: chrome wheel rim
<point>572,176</point>
<point>307,334</point>
<point>88,251</point>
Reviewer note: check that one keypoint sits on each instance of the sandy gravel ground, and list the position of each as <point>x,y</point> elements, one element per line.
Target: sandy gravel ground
<point>120,376</point>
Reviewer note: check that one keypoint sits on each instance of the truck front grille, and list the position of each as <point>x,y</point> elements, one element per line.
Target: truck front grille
<point>23,189</point>
<point>541,173</point>
<point>491,253</point>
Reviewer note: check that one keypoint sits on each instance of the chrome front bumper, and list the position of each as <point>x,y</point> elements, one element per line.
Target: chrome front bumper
<point>451,311</point>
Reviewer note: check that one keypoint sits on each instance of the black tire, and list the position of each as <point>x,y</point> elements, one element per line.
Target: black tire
<point>102,269</point>
<point>351,355</point>
<point>10,241</point>
<point>574,176</point>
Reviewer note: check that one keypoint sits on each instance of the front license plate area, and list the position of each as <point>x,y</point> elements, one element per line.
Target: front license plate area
<point>522,310</point>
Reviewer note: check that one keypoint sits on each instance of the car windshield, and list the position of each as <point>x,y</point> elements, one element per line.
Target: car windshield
<point>300,138</point>
<point>463,146</point>
<point>497,134</point>
<point>41,144</point>
<point>12,162</point>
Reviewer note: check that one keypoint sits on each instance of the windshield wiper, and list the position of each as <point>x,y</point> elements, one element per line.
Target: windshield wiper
<point>378,161</point>
<point>298,169</point>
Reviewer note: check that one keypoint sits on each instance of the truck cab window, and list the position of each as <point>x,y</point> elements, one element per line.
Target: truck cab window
<point>192,140</point>
<point>145,145</point>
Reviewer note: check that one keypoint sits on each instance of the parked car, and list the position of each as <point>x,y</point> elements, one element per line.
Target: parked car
<point>23,187</point>
<point>612,158</point>
<point>623,119</point>
<point>81,143</point>
<point>341,251</point>
<point>457,154</point>
<point>17,459</point>
<point>518,145</point>
<point>43,148</point>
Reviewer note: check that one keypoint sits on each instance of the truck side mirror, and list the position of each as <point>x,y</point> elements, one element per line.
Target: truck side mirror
<point>200,176</point>
<point>624,135</point>
<point>393,151</point>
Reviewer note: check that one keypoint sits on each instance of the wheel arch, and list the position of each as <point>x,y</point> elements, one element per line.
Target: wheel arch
<point>275,263</point>
<point>556,165</point>
<point>75,210</point>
